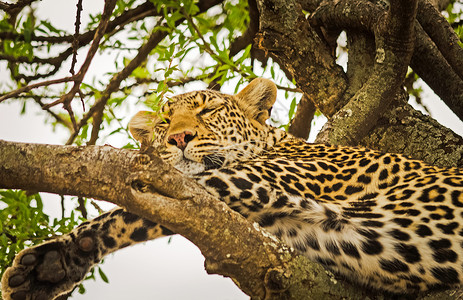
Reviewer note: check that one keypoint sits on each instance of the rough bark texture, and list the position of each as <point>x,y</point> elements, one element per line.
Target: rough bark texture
<point>286,35</point>
<point>301,124</point>
<point>394,37</point>
<point>405,130</point>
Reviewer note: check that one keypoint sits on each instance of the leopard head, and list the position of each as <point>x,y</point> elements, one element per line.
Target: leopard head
<point>203,130</point>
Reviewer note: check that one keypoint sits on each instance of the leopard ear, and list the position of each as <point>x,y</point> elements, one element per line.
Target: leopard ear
<point>141,126</point>
<point>257,99</point>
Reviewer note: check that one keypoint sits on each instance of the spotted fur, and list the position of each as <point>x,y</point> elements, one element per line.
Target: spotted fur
<point>381,220</point>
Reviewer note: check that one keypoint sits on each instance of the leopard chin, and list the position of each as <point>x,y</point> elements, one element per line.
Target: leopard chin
<point>189,167</point>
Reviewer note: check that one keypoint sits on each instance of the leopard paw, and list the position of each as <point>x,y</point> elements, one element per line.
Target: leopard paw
<point>50,269</point>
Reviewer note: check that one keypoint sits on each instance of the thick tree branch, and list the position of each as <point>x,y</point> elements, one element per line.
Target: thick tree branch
<point>286,35</point>
<point>406,130</point>
<point>443,35</point>
<point>145,185</point>
<point>427,61</point>
<point>394,37</point>
<point>300,125</point>
<point>402,129</point>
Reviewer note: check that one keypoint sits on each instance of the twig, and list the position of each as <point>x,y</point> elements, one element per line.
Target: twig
<point>96,123</point>
<point>208,48</point>
<point>33,86</point>
<point>81,207</point>
<point>96,206</point>
<point>116,25</point>
<point>67,106</point>
<point>108,9</point>
<point>75,42</point>
<point>10,6</point>
<point>62,206</point>
<point>57,117</point>
<point>135,14</point>
<point>117,78</point>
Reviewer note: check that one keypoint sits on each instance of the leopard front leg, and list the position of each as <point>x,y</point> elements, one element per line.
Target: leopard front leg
<point>55,267</point>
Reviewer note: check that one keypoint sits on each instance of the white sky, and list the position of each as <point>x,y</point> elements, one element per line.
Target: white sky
<point>155,270</point>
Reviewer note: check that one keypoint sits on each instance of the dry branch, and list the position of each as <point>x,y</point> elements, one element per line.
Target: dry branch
<point>117,24</point>
<point>27,88</point>
<point>67,98</point>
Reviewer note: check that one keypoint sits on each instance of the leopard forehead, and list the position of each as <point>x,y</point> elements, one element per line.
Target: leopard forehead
<point>199,99</point>
<point>211,110</point>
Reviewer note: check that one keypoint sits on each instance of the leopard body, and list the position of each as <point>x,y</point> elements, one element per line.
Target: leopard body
<point>381,220</point>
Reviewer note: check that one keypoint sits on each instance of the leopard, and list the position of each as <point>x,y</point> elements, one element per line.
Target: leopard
<point>382,220</point>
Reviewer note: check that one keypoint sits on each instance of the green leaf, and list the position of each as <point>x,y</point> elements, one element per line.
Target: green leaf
<point>103,275</point>
<point>292,109</point>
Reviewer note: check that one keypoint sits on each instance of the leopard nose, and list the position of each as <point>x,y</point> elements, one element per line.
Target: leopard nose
<point>181,140</point>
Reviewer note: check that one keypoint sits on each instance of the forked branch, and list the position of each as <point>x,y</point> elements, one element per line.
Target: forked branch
<point>394,37</point>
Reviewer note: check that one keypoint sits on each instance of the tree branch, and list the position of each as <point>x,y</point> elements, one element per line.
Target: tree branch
<point>287,37</point>
<point>394,36</point>
<point>109,7</point>
<point>142,11</point>
<point>75,41</point>
<point>107,12</point>
<point>429,63</point>
<point>7,7</point>
<point>406,130</point>
<point>301,124</point>
<point>442,34</point>
<point>426,61</point>
<point>27,88</point>
<point>145,185</point>
<point>155,38</point>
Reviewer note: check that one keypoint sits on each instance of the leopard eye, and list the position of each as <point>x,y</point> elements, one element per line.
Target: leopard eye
<point>207,110</point>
